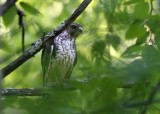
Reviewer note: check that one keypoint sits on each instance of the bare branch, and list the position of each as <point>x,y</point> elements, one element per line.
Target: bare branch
<point>151,7</point>
<point>6,6</point>
<point>38,45</point>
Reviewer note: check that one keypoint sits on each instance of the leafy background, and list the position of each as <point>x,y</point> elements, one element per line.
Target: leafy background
<point>118,57</point>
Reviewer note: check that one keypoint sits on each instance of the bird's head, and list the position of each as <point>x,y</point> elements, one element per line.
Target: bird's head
<point>75,30</point>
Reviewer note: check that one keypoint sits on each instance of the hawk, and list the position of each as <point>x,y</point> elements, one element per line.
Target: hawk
<point>59,57</point>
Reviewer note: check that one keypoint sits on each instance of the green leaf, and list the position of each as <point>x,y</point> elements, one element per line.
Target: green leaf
<point>141,10</point>
<point>136,29</point>
<point>4,46</point>
<point>132,51</point>
<point>136,70</point>
<point>131,2</point>
<point>151,55</point>
<point>157,40</point>
<point>9,101</point>
<point>153,23</point>
<point>142,40</point>
<point>9,16</point>
<point>114,40</point>
<point>30,9</point>
<point>98,48</point>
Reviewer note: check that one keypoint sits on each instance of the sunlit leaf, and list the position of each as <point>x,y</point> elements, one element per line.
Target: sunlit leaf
<point>132,51</point>
<point>136,29</point>
<point>129,2</point>
<point>141,10</point>
<point>29,8</point>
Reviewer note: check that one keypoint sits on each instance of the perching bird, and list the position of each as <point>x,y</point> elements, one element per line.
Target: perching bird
<point>59,57</point>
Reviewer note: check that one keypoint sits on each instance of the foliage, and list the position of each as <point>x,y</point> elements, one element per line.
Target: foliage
<point>119,48</point>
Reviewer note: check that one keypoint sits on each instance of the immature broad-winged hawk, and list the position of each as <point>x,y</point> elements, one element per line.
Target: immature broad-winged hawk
<point>59,57</point>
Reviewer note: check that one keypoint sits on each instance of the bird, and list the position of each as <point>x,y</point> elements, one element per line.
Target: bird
<point>59,57</point>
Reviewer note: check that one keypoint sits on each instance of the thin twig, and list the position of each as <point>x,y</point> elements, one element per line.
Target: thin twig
<point>38,45</point>
<point>151,7</point>
<point>21,14</point>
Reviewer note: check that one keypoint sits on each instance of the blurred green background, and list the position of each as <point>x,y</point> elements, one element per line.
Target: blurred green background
<point>118,57</point>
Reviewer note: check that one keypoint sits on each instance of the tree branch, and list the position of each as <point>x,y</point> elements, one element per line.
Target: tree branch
<point>20,92</point>
<point>139,103</point>
<point>48,90</point>
<point>151,97</point>
<point>38,45</point>
<point>6,6</point>
<point>34,91</point>
<point>144,104</point>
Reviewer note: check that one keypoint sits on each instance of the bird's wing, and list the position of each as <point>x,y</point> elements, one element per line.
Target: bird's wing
<point>68,75</point>
<point>46,59</point>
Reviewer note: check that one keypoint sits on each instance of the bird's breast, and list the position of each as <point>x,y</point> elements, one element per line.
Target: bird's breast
<point>66,51</point>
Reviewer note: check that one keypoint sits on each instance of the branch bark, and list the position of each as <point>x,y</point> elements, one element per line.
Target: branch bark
<point>49,90</point>
<point>33,91</point>
<point>6,6</point>
<point>38,45</point>
<point>20,92</point>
